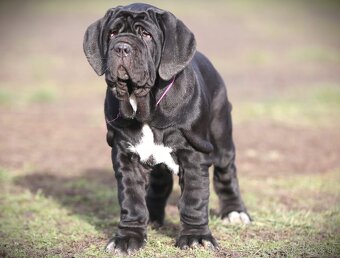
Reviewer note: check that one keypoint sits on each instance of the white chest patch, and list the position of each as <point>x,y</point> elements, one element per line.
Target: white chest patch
<point>133,102</point>
<point>147,149</point>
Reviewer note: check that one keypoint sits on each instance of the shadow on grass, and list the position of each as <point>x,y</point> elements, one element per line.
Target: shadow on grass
<point>92,195</point>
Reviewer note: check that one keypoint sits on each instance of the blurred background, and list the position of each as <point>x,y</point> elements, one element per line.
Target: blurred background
<point>281,63</point>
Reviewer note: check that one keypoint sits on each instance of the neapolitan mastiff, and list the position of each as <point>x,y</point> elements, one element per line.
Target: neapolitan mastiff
<point>167,112</point>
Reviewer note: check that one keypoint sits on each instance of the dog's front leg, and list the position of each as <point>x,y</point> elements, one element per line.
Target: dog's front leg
<point>193,204</point>
<point>131,181</point>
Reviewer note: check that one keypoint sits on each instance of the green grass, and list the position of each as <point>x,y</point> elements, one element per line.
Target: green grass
<point>296,55</point>
<point>54,216</point>
<point>315,54</point>
<point>33,225</point>
<point>42,95</point>
<point>46,92</point>
<point>318,106</point>
<point>6,97</point>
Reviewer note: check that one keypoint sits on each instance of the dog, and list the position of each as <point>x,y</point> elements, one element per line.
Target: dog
<point>167,113</point>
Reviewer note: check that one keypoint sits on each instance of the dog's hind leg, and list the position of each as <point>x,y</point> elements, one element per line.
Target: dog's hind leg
<point>232,208</point>
<point>159,189</point>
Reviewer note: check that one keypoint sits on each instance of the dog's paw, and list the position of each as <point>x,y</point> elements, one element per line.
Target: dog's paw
<point>124,245</point>
<point>194,241</point>
<point>235,217</point>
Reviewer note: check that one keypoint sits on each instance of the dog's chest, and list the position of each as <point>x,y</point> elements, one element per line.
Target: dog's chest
<point>153,153</point>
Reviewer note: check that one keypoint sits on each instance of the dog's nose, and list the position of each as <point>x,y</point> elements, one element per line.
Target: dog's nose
<point>123,49</point>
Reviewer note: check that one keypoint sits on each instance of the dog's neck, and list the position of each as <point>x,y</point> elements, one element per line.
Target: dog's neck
<point>141,109</point>
<point>166,90</point>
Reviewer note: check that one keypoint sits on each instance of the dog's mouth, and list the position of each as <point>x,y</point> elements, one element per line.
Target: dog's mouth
<point>125,80</point>
<point>122,74</point>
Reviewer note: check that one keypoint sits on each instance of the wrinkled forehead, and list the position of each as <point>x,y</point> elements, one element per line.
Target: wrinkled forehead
<point>127,19</point>
<point>130,18</point>
<point>138,13</point>
<point>139,7</point>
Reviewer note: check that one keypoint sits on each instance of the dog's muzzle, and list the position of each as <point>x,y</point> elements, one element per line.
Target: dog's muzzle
<point>123,50</point>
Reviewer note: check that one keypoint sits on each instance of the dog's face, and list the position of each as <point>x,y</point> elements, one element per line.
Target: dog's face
<point>133,50</point>
<point>135,44</point>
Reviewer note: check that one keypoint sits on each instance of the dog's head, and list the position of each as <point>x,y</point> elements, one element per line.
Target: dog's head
<point>135,44</point>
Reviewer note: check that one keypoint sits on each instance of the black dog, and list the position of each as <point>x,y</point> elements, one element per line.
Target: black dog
<point>167,112</point>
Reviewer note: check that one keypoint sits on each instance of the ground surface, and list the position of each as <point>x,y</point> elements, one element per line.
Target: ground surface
<point>281,61</point>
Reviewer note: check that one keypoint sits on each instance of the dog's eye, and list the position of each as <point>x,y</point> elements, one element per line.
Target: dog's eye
<point>146,34</point>
<point>112,34</point>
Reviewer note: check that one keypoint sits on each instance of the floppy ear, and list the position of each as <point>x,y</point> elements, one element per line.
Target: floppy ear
<point>95,43</point>
<point>178,48</point>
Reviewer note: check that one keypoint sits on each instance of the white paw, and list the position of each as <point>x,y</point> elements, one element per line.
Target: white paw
<point>235,217</point>
<point>110,247</point>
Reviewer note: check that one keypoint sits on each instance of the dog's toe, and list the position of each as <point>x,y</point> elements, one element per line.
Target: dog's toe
<point>124,245</point>
<point>235,217</point>
<point>208,245</point>
<point>245,218</point>
<point>110,247</point>
<point>133,245</point>
<point>195,241</point>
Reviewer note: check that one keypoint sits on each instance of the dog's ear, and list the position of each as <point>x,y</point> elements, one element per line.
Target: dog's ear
<point>96,41</point>
<point>178,48</point>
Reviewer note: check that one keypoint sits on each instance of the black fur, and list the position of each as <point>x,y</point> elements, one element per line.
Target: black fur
<point>140,49</point>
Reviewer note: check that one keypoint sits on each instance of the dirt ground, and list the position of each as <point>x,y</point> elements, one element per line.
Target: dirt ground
<point>51,121</point>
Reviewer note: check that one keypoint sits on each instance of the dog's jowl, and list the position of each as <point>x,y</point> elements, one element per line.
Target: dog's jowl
<point>167,115</point>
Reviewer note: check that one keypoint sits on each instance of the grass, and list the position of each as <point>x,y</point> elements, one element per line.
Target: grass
<point>42,95</point>
<point>318,106</point>
<point>46,93</point>
<point>315,54</point>
<point>52,216</point>
<point>6,97</point>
